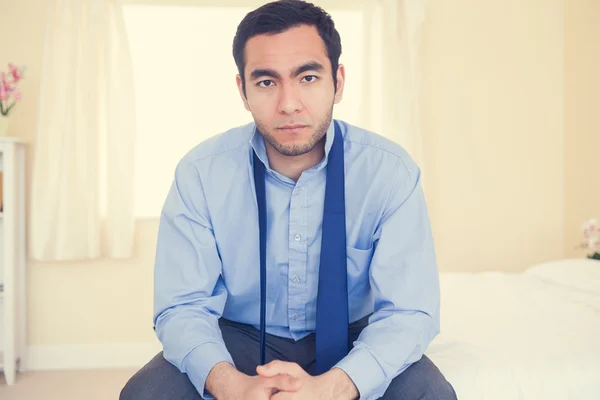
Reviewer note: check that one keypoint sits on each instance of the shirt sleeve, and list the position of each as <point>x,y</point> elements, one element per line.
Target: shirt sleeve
<point>405,283</point>
<point>189,294</point>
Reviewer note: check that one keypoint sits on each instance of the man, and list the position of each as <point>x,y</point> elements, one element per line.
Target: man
<point>309,227</point>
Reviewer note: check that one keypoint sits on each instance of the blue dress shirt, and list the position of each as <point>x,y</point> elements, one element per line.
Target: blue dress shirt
<point>207,258</point>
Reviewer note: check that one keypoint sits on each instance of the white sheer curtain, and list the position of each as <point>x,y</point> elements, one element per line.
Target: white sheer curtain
<point>391,72</point>
<point>85,137</point>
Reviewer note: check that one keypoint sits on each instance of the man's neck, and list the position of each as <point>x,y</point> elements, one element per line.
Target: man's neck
<point>293,166</point>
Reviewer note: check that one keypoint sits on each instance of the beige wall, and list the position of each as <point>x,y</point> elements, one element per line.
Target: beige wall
<point>493,125</point>
<point>582,117</point>
<point>493,118</point>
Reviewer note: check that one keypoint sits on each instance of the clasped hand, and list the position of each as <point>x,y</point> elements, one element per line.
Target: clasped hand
<point>280,380</point>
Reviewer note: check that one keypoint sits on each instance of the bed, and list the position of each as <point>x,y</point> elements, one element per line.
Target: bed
<point>529,335</point>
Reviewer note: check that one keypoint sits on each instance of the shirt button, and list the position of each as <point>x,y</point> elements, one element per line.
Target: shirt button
<point>297,192</point>
<point>296,280</point>
<point>297,237</point>
<point>296,317</point>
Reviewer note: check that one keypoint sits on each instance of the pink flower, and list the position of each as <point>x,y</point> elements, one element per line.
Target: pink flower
<point>15,72</point>
<point>9,94</point>
<point>3,92</point>
<point>5,83</point>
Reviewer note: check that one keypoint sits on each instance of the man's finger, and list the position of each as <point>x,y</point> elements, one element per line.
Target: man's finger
<point>282,396</point>
<point>268,372</point>
<point>279,367</point>
<point>275,364</point>
<point>285,383</point>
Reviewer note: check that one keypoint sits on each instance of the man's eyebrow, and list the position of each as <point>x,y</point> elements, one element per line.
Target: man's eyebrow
<point>309,66</point>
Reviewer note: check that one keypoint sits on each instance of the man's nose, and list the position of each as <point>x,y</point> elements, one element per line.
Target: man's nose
<point>289,99</point>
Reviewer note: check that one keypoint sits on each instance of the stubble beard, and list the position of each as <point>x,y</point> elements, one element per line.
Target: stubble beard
<point>297,149</point>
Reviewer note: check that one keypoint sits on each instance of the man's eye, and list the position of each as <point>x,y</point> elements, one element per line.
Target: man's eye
<point>265,82</point>
<point>312,78</point>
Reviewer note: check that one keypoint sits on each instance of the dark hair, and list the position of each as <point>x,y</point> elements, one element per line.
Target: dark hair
<point>279,16</point>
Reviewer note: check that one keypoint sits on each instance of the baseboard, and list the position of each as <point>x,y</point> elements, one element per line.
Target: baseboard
<point>128,355</point>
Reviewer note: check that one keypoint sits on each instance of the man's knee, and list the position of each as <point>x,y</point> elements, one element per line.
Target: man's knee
<point>421,381</point>
<point>126,393</point>
<point>438,388</point>
<point>137,388</point>
<point>159,380</point>
<point>129,390</point>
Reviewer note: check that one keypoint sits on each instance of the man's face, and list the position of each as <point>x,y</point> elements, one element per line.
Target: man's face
<point>289,87</point>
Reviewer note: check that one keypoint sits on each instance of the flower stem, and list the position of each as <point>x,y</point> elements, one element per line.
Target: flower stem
<point>9,108</point>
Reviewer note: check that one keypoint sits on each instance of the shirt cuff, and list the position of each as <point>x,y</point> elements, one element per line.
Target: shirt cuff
<point>201,360</point>
<point>364,370</point>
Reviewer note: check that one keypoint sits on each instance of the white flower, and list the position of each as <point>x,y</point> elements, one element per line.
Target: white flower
<point>590,226</point>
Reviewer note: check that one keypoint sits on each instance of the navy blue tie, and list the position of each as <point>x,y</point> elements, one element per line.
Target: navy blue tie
<point>332,298</point>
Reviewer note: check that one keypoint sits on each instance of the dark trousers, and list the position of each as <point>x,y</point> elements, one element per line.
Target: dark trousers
<point>160,380</point>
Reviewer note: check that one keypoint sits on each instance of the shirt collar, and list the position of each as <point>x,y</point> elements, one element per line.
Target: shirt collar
<point>258,144</point>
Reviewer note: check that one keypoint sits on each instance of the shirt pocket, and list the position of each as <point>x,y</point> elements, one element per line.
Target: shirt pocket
<point>358,263</point>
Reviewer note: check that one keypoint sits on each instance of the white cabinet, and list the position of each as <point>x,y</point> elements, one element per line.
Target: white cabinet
<point>12,258</point>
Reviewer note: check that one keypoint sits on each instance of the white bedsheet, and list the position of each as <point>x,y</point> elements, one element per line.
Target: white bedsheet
<point>533,335</point>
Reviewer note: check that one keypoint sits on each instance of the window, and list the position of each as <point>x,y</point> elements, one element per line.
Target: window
<point>184,76</point>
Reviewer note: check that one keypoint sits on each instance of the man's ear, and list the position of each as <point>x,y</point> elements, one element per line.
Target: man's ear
<point>240,86</point>
<point>341,77</point>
